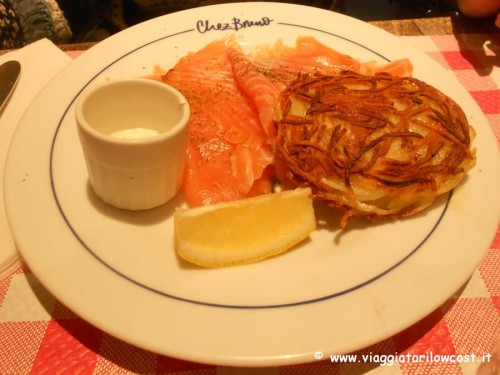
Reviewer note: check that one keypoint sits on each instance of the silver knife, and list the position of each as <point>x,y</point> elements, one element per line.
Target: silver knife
<point>9,75</point>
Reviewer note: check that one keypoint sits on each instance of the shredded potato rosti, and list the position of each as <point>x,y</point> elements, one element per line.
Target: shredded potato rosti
<point>374,146</point>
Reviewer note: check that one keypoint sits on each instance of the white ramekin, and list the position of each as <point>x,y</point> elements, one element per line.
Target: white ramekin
<point>142,172</point>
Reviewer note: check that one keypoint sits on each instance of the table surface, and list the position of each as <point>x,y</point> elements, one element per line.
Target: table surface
<point>50,339</point>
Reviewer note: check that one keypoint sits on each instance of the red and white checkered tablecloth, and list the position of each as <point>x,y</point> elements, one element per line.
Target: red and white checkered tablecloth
<point>39,335</point>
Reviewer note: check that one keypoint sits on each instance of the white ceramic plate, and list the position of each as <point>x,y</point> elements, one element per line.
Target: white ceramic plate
<point>337,292</point>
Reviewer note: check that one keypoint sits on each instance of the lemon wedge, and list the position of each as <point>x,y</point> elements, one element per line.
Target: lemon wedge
<point>244,231</point>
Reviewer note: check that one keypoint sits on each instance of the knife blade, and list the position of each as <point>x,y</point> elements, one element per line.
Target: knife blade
<point>9,75</point>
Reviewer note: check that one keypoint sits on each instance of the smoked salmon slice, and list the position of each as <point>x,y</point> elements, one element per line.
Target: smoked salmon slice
<point>227,148</point>
<point>263,91</point>
<point>307,56</point>
<point>310,56</point>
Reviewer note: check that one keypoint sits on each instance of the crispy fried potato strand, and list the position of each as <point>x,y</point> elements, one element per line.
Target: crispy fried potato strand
<point>376,146</point>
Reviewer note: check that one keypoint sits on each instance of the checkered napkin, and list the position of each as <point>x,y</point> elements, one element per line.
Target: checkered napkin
<point>38,335</point>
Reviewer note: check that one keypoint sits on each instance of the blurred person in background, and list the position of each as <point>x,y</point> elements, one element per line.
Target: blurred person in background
<point>480,9</point>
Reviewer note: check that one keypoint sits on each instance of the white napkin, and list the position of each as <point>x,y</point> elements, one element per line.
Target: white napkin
<point>40,61</point>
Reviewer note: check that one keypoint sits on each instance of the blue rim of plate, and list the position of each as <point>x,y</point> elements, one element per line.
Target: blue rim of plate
<point>213,304</point>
